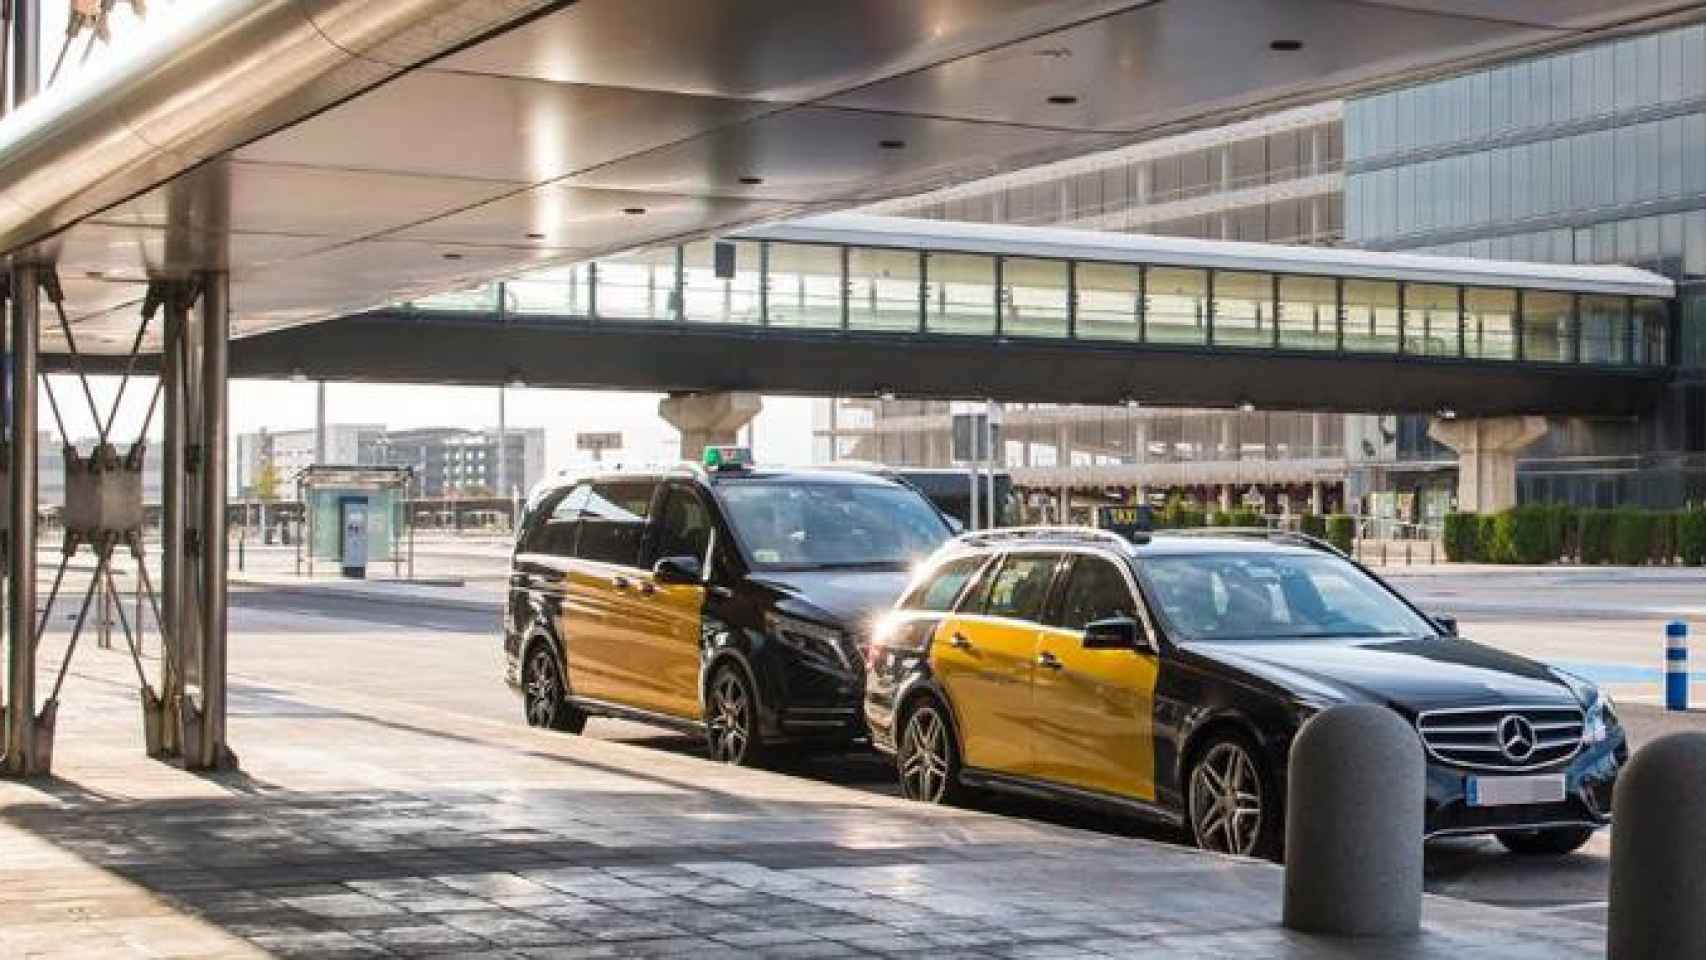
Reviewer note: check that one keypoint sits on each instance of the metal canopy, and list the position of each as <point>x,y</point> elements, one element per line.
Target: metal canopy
<point>337,154</point>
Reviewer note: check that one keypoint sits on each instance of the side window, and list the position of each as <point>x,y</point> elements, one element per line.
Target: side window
<point>1020,588</point>
<point>1095,590</point>
<point>683,526</point>
<point>944,585</point>
<point>555,533</point>
<point>613,522</point>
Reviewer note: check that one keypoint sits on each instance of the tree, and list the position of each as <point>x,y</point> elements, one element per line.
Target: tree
<point>267,482</point>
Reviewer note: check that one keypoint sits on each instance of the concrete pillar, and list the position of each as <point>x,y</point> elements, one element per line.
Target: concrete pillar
<point>1317,498</point>
<point>1486,457</point>
<point>1226,497</point>
<point>708,419</point>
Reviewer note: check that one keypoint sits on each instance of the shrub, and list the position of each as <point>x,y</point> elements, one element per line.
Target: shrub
<point>1245,517</point>
<point>1563,531</point>
<point>1664,539</point>
<point>1526,535</point>
<point>1691,537</point>
<point>1220,518</point>
<point>1631,537</point>
<point>1487,547</point>
<point>1461,542</point>
<point>1341,531</point>
<point>1594,546</point>
<point>1177,515</point>
<point>1313,525</point>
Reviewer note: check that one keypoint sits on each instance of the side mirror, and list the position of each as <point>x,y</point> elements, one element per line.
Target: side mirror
<point>678,570</point>
<point>1117,633</point>
<point>1447,623</point>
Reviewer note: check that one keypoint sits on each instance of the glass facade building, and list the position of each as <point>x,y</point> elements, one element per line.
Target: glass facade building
<point>1592,155</point>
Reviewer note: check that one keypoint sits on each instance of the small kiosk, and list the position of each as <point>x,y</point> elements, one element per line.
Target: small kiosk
<point>355,516</point>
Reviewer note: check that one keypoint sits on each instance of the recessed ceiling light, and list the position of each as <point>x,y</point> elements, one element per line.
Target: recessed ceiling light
<point>1063,99</point>
<point>453,256</point>
<point>633,211</point>
<point>95,274</point>
<point>536,236</point>
<point>1286,46</point>
<point>891,144</point>
<point>752,181</point>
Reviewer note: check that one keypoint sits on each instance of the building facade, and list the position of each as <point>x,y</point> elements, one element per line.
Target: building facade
<point>447,461</point>
<point>1591,155</point>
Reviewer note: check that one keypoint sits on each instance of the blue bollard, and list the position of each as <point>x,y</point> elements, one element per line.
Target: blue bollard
<point>1676,665</point>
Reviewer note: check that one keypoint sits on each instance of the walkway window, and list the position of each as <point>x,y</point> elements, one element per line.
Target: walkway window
<point>1371,316</point>
<point>1107,301</point>
<point>960,296</point>
<point>1308,313</point>
<point>638,287</point>
<point>1652,331</point>
<point>884,289</point>
<point>1489,323</point>
<point>803,286</point>
<point>1033,297</point>
<point>1431,319</point>
<point>713,299</point>
<point>1177,306</point>
<point>556,291</point>
<point>1548,332</point>
<point>1605,329</point>
<point>1243,309</point>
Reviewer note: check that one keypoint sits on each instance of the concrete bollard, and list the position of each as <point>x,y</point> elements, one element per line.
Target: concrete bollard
<point>1354,820</point>
<point>1676,665</point>
<point>1658,837</point>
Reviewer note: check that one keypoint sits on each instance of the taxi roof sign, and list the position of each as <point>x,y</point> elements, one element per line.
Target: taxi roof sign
<point>727,458</point>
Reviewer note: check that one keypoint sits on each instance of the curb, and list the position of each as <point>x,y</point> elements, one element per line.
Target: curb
<point>313,590</point>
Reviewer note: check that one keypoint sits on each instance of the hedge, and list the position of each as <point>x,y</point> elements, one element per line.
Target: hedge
<point>1341,531</point>
<point>1538,534</point>
<point>1313,525</point>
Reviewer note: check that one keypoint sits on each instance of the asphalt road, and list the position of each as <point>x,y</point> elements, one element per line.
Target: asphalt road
<point>449,659</point>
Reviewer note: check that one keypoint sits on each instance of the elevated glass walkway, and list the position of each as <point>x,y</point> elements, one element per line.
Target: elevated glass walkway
<point>855,274</point>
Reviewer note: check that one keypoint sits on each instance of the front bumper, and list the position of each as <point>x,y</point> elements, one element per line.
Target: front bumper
<point>1589,778</point>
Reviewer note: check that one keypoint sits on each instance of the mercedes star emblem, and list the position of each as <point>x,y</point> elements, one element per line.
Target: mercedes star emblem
<point>1516,737</point>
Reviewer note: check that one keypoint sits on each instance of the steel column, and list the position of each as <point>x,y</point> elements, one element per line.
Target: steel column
<point>174,662</point>
<point>29,740</point>
<point>215,322</point>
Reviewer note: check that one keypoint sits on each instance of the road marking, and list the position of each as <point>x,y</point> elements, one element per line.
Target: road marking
<point>1568,907</point>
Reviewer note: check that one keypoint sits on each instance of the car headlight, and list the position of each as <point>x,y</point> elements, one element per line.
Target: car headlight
<point>1601,719</point>
<point>811,639</point>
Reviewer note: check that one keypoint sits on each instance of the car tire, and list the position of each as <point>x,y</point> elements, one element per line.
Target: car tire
<point>545,701</point>
<point>731,720</point>
<point>926,756</point>
<point>1232,802</point>
<point>1551,842</point>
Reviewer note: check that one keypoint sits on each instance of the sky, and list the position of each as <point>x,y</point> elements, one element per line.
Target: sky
<point>782,432</point>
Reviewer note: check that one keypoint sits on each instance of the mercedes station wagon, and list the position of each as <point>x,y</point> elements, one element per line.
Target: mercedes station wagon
<point>1168,674</point>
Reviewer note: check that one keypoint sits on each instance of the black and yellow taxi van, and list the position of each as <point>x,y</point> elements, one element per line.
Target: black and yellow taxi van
<point>724,599</point>
<point>1166,674</point>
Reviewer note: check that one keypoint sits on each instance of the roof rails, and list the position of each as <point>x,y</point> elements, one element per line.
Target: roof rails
<point>1021,534</point>
<point>1259,533</point>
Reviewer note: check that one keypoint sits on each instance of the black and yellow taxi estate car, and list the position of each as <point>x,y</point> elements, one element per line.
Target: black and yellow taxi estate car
<point>731,600</point>
<point>1168,674</point>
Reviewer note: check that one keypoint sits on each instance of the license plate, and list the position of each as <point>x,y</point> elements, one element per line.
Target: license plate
<point>1505,791</point>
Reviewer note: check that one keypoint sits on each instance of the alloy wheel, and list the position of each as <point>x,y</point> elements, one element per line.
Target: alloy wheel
<point>544,690</point>
<point>728,724</point>
<point>1226,800</point>
<point>924,756</point>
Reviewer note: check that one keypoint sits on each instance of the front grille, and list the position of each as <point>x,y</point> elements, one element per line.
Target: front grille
<point>1477,736</point>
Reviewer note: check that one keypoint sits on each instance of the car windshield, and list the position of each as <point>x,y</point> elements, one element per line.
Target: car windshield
<point>805,524</point>
<point>1275,596</point>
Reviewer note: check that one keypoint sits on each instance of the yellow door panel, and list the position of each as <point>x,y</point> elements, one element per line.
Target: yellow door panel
<point>666,640</point>
<point>593,634</point>
<point>1095,716</point>
<point>984,663</point>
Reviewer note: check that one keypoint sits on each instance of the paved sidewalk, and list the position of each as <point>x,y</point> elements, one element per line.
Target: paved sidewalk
<point>362,826</point>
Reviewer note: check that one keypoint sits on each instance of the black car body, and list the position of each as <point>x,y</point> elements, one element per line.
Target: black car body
<point>1142,692</point>
<point>701,598</point>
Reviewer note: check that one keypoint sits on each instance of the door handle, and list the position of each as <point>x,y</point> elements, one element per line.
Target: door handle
<point>959,642</point>
<point>620,582</point>
<point>1048,661</point>
<point>647,588</point>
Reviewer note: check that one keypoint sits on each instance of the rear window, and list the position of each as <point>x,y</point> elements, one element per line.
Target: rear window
<point>938,590</point>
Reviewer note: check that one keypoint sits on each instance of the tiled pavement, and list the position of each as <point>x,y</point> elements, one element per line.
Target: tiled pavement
<point>367,827</point>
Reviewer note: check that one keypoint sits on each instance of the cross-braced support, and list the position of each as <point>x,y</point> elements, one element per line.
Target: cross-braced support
<point>103,510</point>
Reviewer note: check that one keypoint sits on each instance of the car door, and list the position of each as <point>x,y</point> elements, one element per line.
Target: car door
<point>983,658</point>
<point>1095,709</point>
<point>605,594</point>
<point>667,617</point>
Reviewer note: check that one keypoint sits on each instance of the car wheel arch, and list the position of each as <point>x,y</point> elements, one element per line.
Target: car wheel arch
<point>909,702</point>
<point>1204,731</point>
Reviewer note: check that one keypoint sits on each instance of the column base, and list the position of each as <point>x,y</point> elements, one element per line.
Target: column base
<point>37,758</point>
